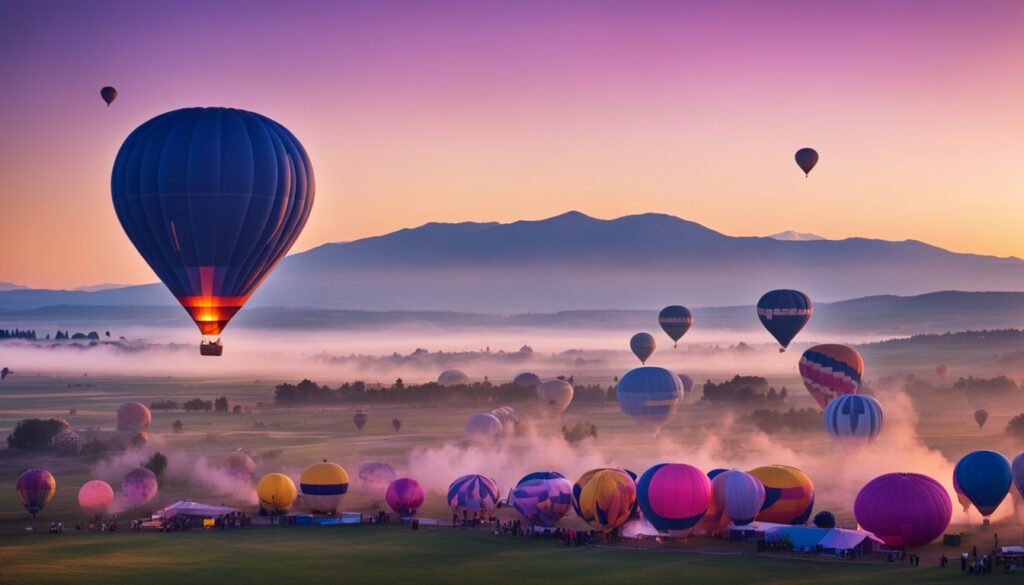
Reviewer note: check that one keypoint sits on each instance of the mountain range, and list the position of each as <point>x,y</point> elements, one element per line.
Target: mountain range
<point>573,261</point>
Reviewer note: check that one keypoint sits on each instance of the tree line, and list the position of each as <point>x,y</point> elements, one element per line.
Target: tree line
<point>309,392</point>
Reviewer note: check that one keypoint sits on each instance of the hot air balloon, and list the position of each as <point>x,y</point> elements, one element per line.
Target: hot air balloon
<point>527,380</point>
<point>985,478</point>
<point>133,417</point>
<point>109,94</point>
<point>715,472</point>
<point>831,370</point>
<point>542,497</point>
<point>961,497</point>
<point>744,496</point>
<point>825,519</point>
<point>323,487</point>
<point>239,465</point>
<point>139,486</point>
<point>555,395</point>
<point>980,416</point>
<point>276,493</point>
<point>374,478</point>
<point>95,496</point>
<point>483,426</point>
<point>941,370</point>
<point>507,415</point>
<point>1017,468</point>
<point>606,498</point>
<point>473,493</point>
<point>788,494</point>
<point>396,424</point>
<point>687,382</point>
<point>404,496</point>
<point>66,443</point>
<point>715,519</point>
<point>577,488</point>
<point>675,320</point>
<point>642,344</point>
<point>853,419</point>
<point>903,509</point>
<point>452,378</point>
<point>806,158</point>
<point>360,418</point>
<point>212,198</point>
<point>35,489</point>
<point>784,313</point>
<point>650,395</point>
<point>674,497</point>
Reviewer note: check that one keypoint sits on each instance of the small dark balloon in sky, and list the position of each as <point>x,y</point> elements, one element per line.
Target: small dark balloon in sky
<point>109,94</point>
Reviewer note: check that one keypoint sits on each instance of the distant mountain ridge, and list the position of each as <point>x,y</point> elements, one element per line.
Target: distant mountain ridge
<point>573,261</point>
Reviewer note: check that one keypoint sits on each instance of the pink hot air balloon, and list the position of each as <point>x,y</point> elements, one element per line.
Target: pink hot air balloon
<point>405,496</point>
<point>95,496</point>
<point>139,486</point>
<point>673,497</point>
<point>134,417</point>
<point>904,509</point>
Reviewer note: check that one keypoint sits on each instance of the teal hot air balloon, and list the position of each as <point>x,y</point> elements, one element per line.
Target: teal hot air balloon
<point>212,198</point>
<point>643,346</point>
<point>649,395</point>
<point>675,321</point>
<point>985,478</point>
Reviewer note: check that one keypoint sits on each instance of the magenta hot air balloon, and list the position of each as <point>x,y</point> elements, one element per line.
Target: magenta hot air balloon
<point>673,497</point>
<point>139,486</point>
<point>904,509</point>
<point>95,496</point>
<point>404,496</point>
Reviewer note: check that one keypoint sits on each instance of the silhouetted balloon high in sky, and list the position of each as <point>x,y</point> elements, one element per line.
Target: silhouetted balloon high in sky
<point>212,198</point>
<point>109,94</point>
<point>784,313</point>
<point>675,321</point>
<point>806,158</point>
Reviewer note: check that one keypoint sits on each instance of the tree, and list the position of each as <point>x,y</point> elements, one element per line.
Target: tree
<point>1014,428</point>
<point>177,426</point>
<point>236,409</point>
<point>34,433</point>
<point>221,404</point>
<point>157,463</point>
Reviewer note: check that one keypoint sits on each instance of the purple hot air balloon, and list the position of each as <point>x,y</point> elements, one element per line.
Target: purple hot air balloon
<point>404,496</point>
<point>673,497</point>
<point>139,486</point>
<point>35,489</point>
<point>473,493</point>
<point>904,509</point>
<point>1017,468</point>
<point>542,497</point>
<point>744,496</point>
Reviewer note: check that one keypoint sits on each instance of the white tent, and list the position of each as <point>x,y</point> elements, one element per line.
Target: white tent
<point>194,509</point>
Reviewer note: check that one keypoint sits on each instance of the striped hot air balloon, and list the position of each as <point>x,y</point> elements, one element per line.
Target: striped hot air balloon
<point>473,493</point>
<point>789,494</point>
<point>853,419</point>
<point>606,498</point>
<point>542,497</point>
<point>323,487</point>
<point>649,395</point>
<point>35,489</point>
<point>784,313</point>
<point>831,370</point>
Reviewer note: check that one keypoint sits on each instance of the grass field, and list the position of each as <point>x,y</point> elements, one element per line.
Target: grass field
<point>394,554</point>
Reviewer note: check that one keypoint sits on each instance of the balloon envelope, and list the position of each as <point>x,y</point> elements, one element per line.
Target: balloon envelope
<point>35,489</point>
<point>788,494</point>
<point>673,497</point>
<point>139,486</point>
<point>452,378</point>
<point>473,493</point>
<point>784,313</point>
<point>716,518</point>
<point>483,425</point>
<point>831,370</point>
<point>606,498</point>
<point>276,492</point>
<point>133,417</point>
<point>212,198</point>
<point>360,419</point>
<point>985,478</point>
<point>374,478</point>
<point>527,380</point>
<point>542,497</point>
<point>323,487</point>
<point>853,419</point>
<point>555,395</point>
<point>744,496</point>
<point>95,496</point>
<point>980,417</point>
<point>66,443</point>
<point>675,321</point>
<point>903,509</point>
<point>239,465</point>
<point>687,382</point>
<point>405,496</point>
<point>396,424</point>
<point>649,395</point>
<point>642,345</point>
<point>806,158</point>
<point>1017,468</point>
<point>109,94</point>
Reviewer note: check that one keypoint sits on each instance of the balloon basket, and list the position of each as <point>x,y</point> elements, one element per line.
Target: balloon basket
<point>211,348</point>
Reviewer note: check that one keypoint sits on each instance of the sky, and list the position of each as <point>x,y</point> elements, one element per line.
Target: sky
<point>485,110</point>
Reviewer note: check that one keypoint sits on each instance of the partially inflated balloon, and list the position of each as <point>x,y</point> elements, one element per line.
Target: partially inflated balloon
<point>452,378</point>
<point>985,478</point>
<point>95,496</point>
<point>35,489</point>
<point>276,492</point>
<point>405,496</point>
<point>674,497</point>
<point>784,313</point>
<point>109,94</point>
<point>642,345</point>
<point>789,494</point>
<point>483,426</point>
<point>831,370</point>
<point>139,486</point>
<point>903,509</point>
<point>527,380</point>
<point>744,496</point>
<point>607,498</point>
<point>473,493</point>
<point>555,395</point>
<point>324,486</point>
<point>980,417</point>
<point>240,466</point>
<point>806,158</point>
<point>542,497</point>
<point>577,488</point>
<point>212,198</point>
<point>675,321</point>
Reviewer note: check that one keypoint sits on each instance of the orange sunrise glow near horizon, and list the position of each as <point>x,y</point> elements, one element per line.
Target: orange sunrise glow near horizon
<point>501,111</point>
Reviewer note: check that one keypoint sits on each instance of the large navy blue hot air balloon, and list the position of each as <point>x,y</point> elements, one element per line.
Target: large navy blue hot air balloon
<point>806,158</point>
<point>212,198</point>
<point>784,313</point>
<point>984,477</point>
<point>650,395</point>
<point>675,321</point>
